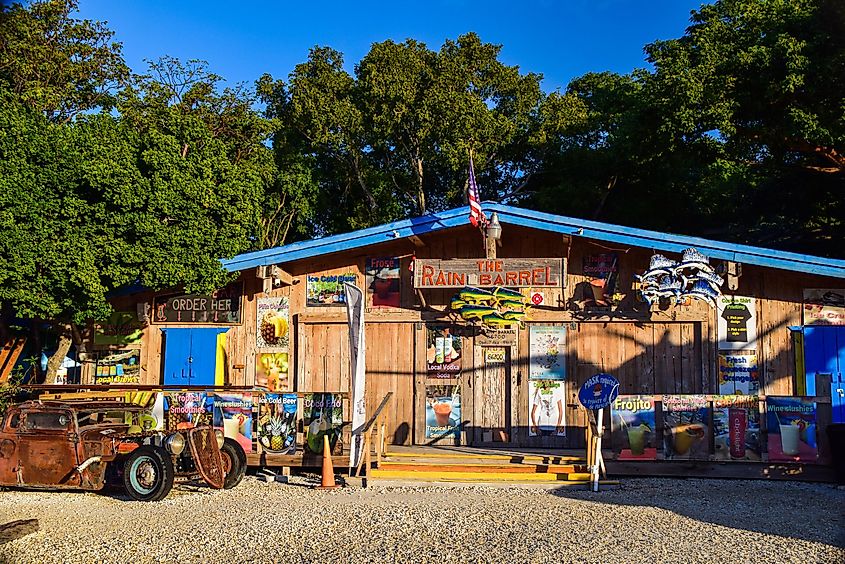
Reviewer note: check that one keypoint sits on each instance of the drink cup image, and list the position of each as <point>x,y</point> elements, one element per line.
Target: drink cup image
<point>685,435</point>
<point>442,412</point>
<point>231,428</point>
<point>737,424</point>
<point>636,439</point>
<point>789,435</point>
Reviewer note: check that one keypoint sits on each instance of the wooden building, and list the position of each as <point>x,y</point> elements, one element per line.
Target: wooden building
<point>283,323</point>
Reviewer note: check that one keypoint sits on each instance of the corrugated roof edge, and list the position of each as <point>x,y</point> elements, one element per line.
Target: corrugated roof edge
<point>666,242</point>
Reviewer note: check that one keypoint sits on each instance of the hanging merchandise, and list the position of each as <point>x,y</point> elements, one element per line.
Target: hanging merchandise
<point>496,309</point>
<point>692,277</point>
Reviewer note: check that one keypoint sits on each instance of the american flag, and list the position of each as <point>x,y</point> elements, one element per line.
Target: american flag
<point>476,215</point>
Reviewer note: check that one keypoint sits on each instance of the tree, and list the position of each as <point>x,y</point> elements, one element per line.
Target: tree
<point>56,64</point>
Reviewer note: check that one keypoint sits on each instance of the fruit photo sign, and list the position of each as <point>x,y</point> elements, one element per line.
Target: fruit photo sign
<point>633,428</point>
<point>273,323</point>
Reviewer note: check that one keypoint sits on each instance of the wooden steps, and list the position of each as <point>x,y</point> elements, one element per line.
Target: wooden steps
<point>490,467</point>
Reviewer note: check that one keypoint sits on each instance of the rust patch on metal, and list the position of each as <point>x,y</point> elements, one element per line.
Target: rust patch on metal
<point>207,457</point>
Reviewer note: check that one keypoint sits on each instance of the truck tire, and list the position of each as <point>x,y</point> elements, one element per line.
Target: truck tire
<point>148,473</point>
<point>234,463</point>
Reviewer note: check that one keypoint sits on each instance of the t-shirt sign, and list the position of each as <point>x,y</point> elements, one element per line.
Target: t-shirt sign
<point>737,317</point>
<point>598,391</point>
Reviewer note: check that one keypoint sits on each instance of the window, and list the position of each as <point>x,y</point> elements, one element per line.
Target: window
<point>46,421</point>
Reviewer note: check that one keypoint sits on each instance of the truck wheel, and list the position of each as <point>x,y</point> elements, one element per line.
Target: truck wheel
<point>234,463</point>
<point>148,474</point>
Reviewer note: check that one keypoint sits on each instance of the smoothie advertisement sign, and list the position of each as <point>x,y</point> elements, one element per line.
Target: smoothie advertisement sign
<point>736,428</point>
<point>686,421</point>
<point>186,410</point>
<point>791,427</point>
<point>442,411</point>
<point>277,423</point>
<point>547,409</point>
<point>322,417</point>
<point>632,428</point>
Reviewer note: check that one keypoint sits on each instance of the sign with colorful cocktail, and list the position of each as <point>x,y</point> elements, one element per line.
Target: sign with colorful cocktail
<point>186,410</point>
<point>233,416</point>
<point>686,422</point>
<point>791,427</point>
<point>736,428</point>
<point>442,411</point>
<point>632,428</point>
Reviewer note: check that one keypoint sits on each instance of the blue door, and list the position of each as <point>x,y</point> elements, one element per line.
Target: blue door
<point>190,355</point>
<point>824,353</point>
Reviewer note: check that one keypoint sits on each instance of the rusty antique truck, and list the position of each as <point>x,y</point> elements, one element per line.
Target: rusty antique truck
<point>89,444</point>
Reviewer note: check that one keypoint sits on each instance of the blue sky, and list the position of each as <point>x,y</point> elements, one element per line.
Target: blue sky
<point>243,39</point>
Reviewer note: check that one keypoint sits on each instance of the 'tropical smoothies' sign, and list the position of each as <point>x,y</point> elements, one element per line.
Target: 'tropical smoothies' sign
<point>791,427</point>
<point>598,391</point>
<point>632,428</point>
<point>222,306</point>
<point>489,273</point>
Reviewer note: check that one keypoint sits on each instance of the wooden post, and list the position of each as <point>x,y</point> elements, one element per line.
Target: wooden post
<point>597,453</point>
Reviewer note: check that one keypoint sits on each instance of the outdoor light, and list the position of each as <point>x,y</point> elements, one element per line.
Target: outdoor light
<point>494,228</point>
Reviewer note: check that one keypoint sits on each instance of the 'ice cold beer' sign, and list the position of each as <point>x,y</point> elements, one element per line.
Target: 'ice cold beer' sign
<point>222,306</point>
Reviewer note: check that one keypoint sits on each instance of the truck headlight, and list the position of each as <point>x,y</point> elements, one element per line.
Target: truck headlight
<point>175,443</point>
<point>221,438</point>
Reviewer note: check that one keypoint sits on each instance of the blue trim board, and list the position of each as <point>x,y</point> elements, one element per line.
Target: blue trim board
<point>665,242</point>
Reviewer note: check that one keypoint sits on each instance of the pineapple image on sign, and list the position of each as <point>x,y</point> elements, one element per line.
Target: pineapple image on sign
<point>273,323</point>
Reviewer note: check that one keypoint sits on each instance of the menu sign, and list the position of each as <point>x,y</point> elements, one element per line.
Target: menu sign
<point>220,307</point>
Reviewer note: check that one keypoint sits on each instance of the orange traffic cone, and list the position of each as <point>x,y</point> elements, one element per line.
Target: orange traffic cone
<point>327,482</point>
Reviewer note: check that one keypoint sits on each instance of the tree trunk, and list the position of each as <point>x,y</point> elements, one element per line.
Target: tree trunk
<point>58,357</point>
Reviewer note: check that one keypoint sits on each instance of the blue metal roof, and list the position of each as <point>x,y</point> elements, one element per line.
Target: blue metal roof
<point>666,242</point>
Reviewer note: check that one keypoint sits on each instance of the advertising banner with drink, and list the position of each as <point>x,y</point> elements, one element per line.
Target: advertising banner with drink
<point>547,408</point>
<point>686,422</point>
<point>791,427</point>
<point>442,411</point>
<point>547,352</point>
<point>277,423</point>
<point>322,416</point>
<point>271,371</point>
<point>738,373</point>
<point>443,352</point>
<point>632,428</point>
<point>327,290</point>
<point>383,281</point>
<point>736,428</point>
<point>233,416</point>
<point>186,410</point>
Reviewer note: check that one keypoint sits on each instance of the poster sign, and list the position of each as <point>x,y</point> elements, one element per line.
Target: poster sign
<point>824,306</point>
<point>547,350</point>
<point>233,416</point>
<point>323,416</point>
<point>121,328</point>
<point>598,391</point>
<point>186,410</point>
<point>736,428</point>
<point>737,317</point>
<point>327,289</point>
<point>489,273</point>
<point>547,408</point>
<point>602,270</point>
<point>443,352</point>
<point>383,282</point>
<point>272,371</point>
<point>273,321</point>
<point>119,367</point>
<point>686,422</point>
<point>221,306</point>
<point>277,423</point>
<point>738,372</point>
<point>632,428</point>
<point>442,411</point>
<point>791,428</point>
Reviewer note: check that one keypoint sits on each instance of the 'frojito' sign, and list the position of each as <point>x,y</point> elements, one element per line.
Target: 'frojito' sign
<point>489,273</point>
<point>222,306</point>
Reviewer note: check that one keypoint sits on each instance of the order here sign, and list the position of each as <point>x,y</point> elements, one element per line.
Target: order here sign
<point>489,273</point>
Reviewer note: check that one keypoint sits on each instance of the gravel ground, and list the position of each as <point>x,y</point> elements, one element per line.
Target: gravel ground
<point>642,520</point>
